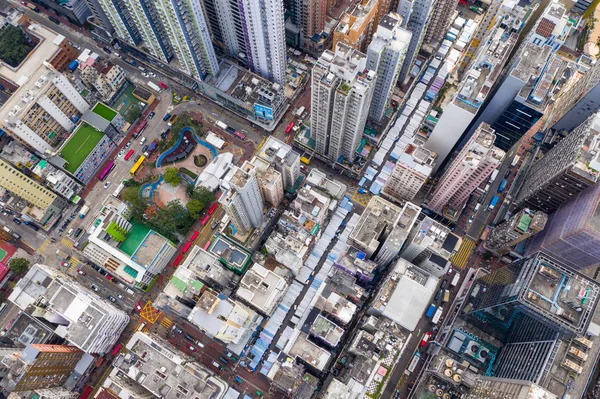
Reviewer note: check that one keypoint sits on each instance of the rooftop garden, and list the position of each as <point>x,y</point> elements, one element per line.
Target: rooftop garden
<point>14,45</point>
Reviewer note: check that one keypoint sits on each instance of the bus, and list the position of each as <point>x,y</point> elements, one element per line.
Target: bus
<point>195,235</point>
<point>137,165</point>
<point>414,362</point>
<point>206,246</point>
<point>139,129</point>
<point>106,171</point>
<point>116,349</point>
<point>162,85</point>
<point>213,208</point>
<point>118,190</point>
<point>437,315</point>
<point>502,186</point>
<point>129,155</point>
<point>289,128</point>
<point>205,219</point>
<point>177,260</point>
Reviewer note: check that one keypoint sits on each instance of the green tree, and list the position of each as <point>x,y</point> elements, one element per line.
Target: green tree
<point>133,113</point>
<point>487,255</point>
<point>129,194</point>
<point>19,265</point>
<point>203,195</point>
<point>171,176</point>
<point>194,207</point>
<point>13,45</point>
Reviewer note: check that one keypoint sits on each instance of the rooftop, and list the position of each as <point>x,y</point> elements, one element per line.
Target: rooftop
<point>261,288</point>
<point>379,217</point>
<point>233,256</point>
<point>299,346</point>
<point>431,234</point>
<point>164,371</point>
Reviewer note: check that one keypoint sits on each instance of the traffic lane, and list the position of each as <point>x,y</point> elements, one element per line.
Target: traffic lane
<point>105,287</point>
<point>29,236</point>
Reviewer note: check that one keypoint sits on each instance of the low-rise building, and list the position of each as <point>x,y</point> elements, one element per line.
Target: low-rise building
<point>283,158</point>
<point>519,227</point>
<point>310,354</point>
<point>87,321</point>
<point>262,289</point>
<point>106,77</point>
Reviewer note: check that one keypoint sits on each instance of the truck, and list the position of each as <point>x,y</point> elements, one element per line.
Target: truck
<point>430,311</point>
<point>73,65</point>
<point>221,125</point>
<point>130,61</point>
<point>493,176</point>
<point>455,280</point>
<point>84,210</point>
<point>493,202</point>
<point>437,315</point>
<point>446,296</point>
<point>151,148</point>
<point>154,86</point>
<point>300,111</point>
<point>32,7</point>
<point>502,186</point>
<point>515,160</point>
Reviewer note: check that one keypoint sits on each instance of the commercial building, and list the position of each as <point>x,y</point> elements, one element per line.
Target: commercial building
<point>132,253</point>
<point>75,11</point>
<point>542,289</point>
<point>471,94</point>
<point>269,181</point>
<point>567,169</point>
<point>507,389</point>
<point>412,169</point>
<point>382,229</point>
<point>415,18</point>
<point>473,165</point>
<point>519,227</point>
<point>341,94</point>
<point>441,17</point>
<point>242,199</point>
<point>283,158</point>
<point>211,175</point>
<point>385,55</point>
<point>430,246</point>
<point>356,28</point>
<point>572,234</point>
<point>44,205</point>
<point>163,371</point>
<point>39,366</point>
<point>87,321</point>
<point>262,289</point>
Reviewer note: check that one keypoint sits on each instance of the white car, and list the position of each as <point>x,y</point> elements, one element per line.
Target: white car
<point>106,184</point>
<point>121,153</point>
<point>152,74</point>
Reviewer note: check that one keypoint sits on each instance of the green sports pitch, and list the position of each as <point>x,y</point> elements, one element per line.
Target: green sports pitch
<point>80,145</point>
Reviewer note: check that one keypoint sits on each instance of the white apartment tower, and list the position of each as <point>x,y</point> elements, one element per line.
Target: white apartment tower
<point>342,88</point>
<point>242,199</point>
<point>473,165</point>
<point>385,55</point>
<point>415,17</point>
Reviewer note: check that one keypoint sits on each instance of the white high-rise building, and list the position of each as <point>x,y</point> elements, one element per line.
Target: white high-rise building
<point>415,16</point>
<point>342,88</point>
<point>242,199</point>
<point>385,55</point>
<point>86,320</point>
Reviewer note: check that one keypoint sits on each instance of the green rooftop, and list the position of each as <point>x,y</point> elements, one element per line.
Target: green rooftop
<point>524,223</point>
<point>135,237</point>
<point>104,111</point>
<point>79,146</point>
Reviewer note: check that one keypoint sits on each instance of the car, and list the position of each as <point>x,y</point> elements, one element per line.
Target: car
<point>214,225</point>
<point>145,148</point>
<point>152,74</point>
<point>163,135</point>
<point>106,184</point>
<point>200,344</point>
<point>16,220</point>
<point>470,219</point>
<point>190,347</point>
<point>238,379</point>
<point>94,288</point>
<point>166,117</point>
<point>107,50</point>
<point>444,283</point>
<point>65,264</point>
<point>221,358</point>
<point>189,337</point>
<point>112,298</point>
<point>78,232</point>
<point>121,153</point>
<point>438,295</point>
<point>177,329</point>
<point>5,213</point>
<point>128,144</point>
<point>138,307</point>
<point>81,272</point>
<point>507,173</point>
<point>425,339</point>
<point>151,115</point>
<point>77,47</point>
<point>109,277</point>
<point>258,393</point>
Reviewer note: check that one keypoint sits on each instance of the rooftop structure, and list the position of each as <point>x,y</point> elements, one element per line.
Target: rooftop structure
<point>293,378</point>
<point>326,330</point>
<point>357,264</point>
<point>332,303</point>
<point>356,27</point>
<point>235,257</point>
<point>211,175</point>
<point>164,371</point>
<point>106,77</point>
<point>382,229</point>
<point>91,323</point>
<point>404,296</point>
<point>283,158</point>
<point>519,227</point>
<point>500,388</point>
<point>318,180</point>
<point>312,355</point>
<point>261,288</point>
<point>134,253</point>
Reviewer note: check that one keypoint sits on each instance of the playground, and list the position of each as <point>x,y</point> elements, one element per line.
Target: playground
<point>80,145</point>
<point>104,111</point>
<point>125,101</point>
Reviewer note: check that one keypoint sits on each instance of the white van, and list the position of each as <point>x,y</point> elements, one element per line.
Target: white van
<point>70,233</point>
<point>142,141</point>
<point>477,207</point>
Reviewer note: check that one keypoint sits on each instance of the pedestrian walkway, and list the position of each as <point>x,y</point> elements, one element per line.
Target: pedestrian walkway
<point>166,323</point>
<point>361,198</point>
<point>43,247</point>
<point>461,257</point>
<point>66,242</point>
<point>74,265</point>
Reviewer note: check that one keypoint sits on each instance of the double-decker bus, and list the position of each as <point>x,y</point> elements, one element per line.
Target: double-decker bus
<point>205,219</point>
<point>140,128</point>
<point>289,128</point>
<point>137,165</point>
<point>106,171</point>
<point>213,208</point>
<point>206,246</point>
<point>128,155</point>
<point>116,349</point>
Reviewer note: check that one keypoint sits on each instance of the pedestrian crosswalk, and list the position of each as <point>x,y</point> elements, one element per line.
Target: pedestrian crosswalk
<point>43,247</point>
<point>66,242</point>
<point>74,264</point>
<point>166,322</point>
<point>461,257</point>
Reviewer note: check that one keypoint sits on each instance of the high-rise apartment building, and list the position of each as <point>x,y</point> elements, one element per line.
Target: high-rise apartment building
<point>411,171</point>
<point>385,55</point>
<point>519,227</point>
<point>473,165</point>
<point>541,288</point>
<point>415,17</point>
<point>472,93</point>
<point>86,320</point>
<point>269,180</point>
<point>572,234</point>
<point>242,199</point>
<point>40,366</point>
<point>121,20</point>
<point>44,204</point>
<point>356,28</point>
<point>309,16</point>
<point>441,17</point>
<point>342,89</point>
<point>567,169</point>
<point>283,158</point>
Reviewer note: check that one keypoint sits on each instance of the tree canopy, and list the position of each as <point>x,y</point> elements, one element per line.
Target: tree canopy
<point>171,176</point>
<point>18,265</point>
<point>13,45</point>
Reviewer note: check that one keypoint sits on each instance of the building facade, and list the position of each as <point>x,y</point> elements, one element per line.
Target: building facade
<point>283,158</point>
<point>356,28</point>
<point>385,55</point>
<point>441,17</point>
<point>243,200</point>
<point>519,227</point>
<point>415,18</point>
<point>473,165</point>
<point>342,89</point>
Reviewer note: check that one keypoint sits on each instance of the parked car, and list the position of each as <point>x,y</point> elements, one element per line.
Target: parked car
<point>112,298</point>
<point>106,184</point>
<point>94,288</point>
<point>176,329</point>
<point>121,153</point>
<point>238,380</point>
<point>81,272</point>
<point>425,339</point>
<point>200,344</point>
<point>128,144</point>
<point>16,220</point>
<point>151,115</point>
<point>444,283</point>
<point>106,50</point>
<point>65,264</point>
<point>190,347</point>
